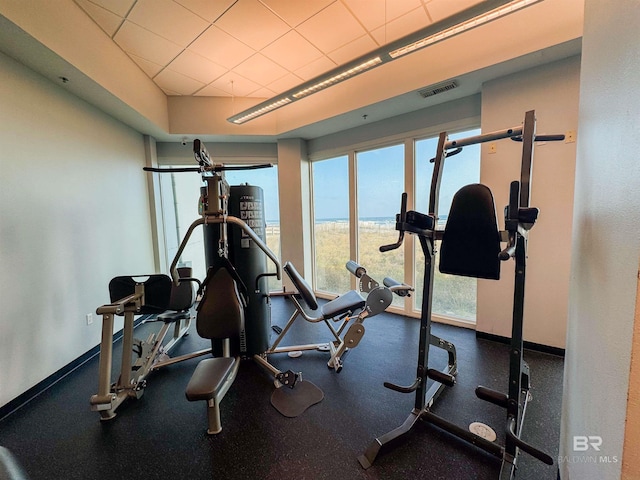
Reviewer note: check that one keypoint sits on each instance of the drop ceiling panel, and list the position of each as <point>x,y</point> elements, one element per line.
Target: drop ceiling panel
<point>284,83</point>
<point>261,68</point>
<point>235,85</point>
<point>375,13</point>
<point>107,20</point>
<point>197,67</point>
<point>119,7</point>
<point>253,24</point>
<point>176,82</point>
<point>315,68</point>
<point>296,12</point>
<point>150,68</point>
<point>331,28</point>
<point>212,91</point>
<point>145,44</point>
<point>292,51</point>
<point>221,48</point>
<point>168,19</point>
<point>409,22</point>
<point>440,9</point>
<point>353,49</point>
<point>208,9</point>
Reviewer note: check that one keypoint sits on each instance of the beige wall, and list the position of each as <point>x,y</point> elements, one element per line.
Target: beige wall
<point>74,213</point>
<point>631,452</point>
<point>552,91</point>
<point>295,215</point>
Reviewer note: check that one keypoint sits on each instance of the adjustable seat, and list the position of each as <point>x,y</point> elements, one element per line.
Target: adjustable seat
<point>344,304</point>
<point>220,317</point>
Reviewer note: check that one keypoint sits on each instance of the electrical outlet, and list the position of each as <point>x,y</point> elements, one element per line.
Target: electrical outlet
<point>570,136</point>
<point>89,317</point>
<point>493,148</point>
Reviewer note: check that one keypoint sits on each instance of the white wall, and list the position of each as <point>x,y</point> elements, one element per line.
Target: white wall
<point>606,242</point>
<point>74,213</point>
<point>552,91</point>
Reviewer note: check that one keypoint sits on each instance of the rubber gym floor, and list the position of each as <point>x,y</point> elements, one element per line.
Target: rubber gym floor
<point>163,436</point>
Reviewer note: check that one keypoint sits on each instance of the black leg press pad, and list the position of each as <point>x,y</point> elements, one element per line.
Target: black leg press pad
<point>208,377</point>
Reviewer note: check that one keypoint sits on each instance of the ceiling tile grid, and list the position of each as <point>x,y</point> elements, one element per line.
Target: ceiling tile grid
<point>254,48</point>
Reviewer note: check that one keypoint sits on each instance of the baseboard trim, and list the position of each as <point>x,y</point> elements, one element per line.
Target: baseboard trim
<point>537,347</point>
<point>23,399</point>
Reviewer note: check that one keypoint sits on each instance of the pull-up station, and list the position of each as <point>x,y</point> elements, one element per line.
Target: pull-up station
<point>471,247</point>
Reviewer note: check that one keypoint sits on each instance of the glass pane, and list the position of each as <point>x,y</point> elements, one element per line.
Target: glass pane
<point>180,202</point>
<point>453,296</point>
<point>331,224</point>
<point>267,179</point>
<point>380,187</point>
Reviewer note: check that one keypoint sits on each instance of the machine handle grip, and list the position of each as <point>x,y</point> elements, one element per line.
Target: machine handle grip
<point>356,269</point>
<point>442,377</point>
<point>524,446</point>
<point>393,246</point>
<point>401,218</point>
<point>507,253</point>
<point>402,389</point>
<point>171,169</point>
<point>542,138</point>
<point>491,396</point>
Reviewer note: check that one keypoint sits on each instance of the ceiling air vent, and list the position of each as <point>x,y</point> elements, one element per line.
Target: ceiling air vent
<point>437,88</point>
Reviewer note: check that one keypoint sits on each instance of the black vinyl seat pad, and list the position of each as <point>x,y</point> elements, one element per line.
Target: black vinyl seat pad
<point>347,302</point>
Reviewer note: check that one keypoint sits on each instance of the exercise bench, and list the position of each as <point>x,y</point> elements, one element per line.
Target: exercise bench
<point>220,317</point>
<point>341,311</point>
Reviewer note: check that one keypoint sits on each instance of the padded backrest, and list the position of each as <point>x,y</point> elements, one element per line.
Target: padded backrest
<point>220,312</point>
<point>471,241</point>
<point>157,291</point>
<point>301,285</point>
<point>182,295</point>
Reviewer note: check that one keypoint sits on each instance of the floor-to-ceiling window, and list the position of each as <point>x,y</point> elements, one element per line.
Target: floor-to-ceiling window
<point>380,183</point>
<point>331,224</point>
<point>377,180</point>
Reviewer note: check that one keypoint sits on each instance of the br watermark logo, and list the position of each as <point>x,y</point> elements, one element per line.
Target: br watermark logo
<point>587,449</point>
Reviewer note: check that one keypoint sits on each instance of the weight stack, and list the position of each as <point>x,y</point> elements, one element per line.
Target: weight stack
<point>246,202</point>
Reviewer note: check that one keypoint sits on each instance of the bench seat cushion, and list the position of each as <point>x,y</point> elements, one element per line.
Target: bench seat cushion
<point>208,377</point>
<point>350,301</point>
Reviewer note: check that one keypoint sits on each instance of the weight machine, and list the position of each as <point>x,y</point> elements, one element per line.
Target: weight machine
<point>172,303</point>
<point>232,307</point>
<point>339,311</point>
<point>471,247</point>
<point>158,300</point>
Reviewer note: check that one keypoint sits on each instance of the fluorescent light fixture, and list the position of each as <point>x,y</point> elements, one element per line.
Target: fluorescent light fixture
<point>475,16</point>
<point>253,113</point>
<point>338,78</point>
<point>462,27</point>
